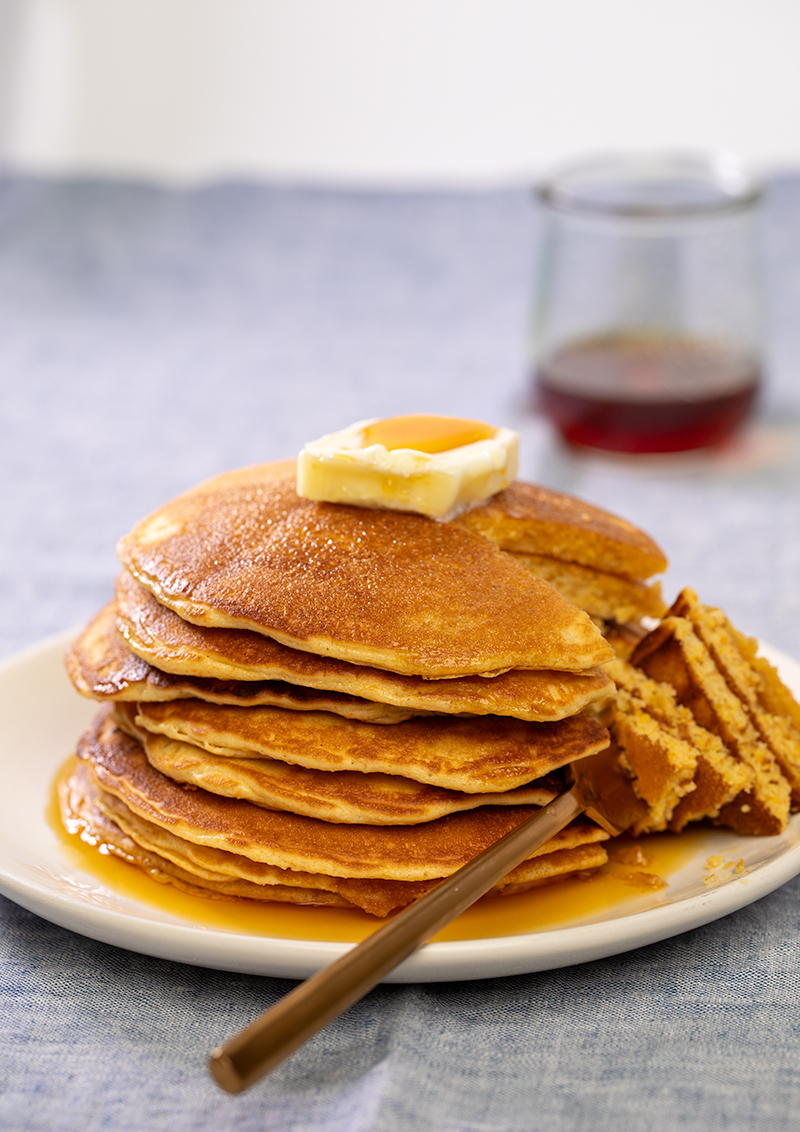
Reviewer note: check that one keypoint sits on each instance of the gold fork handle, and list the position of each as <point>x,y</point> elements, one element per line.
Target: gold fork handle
<point>309,1007</point>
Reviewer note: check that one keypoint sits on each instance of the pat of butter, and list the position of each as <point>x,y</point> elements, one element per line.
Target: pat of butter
<point>436,466</point>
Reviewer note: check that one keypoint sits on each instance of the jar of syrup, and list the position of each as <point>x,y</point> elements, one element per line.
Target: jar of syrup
<point>648,328</point>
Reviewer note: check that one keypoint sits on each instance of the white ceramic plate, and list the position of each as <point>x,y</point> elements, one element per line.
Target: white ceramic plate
<point>42,717</point>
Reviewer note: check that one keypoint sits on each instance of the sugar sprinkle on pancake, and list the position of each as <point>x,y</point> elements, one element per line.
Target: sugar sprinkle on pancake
<point>378,588</point>
<point>161,637</point>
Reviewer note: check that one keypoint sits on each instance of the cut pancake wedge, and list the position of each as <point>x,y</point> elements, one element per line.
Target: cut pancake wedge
<point>531,519</point>
<point>718,776</point>
<point>674,654</point>
<point>663,765</point>
<point>751,684</point>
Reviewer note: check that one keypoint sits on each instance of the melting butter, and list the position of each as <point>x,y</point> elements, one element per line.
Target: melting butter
<point>433,465</point>
<point>426,433</point>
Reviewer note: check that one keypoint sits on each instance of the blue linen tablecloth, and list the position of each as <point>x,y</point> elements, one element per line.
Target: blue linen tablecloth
<point>150,338</point>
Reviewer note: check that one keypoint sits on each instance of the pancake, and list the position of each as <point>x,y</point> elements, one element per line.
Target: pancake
<point>385,589</point>
<point>718,776</point>
<point>530,519</point>
<point>340,796</point>
<point>748,683</point>
<point>773,693</point>
<point>172,645</point>
<point>103,667</point>
<point>476,756</point>
<point>102,819</point>
<point>596,592</point>
<point>674,654</point>
<point>86,811</point>
<point>662,764</point>
<point>438,848</point>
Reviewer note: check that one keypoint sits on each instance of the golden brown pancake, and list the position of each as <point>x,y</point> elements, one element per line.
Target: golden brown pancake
<point>476,756</point>
<point>674,654</point>
<point>663,765</point>
<point>748,683</point>
<point>773,694</point>
<point>596,592</point>
<point>87,811</point>
<point>530,519</point>
<point>339,796</point>
<point>104,820</point>
<point>103,667</point>
<point>162,638</point>
<point>718,776</point>
<point>387,589</point>
<point>289,841</point>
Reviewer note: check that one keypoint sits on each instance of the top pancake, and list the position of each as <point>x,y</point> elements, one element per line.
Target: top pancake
<point>534,520</point>
<point>387,589</point>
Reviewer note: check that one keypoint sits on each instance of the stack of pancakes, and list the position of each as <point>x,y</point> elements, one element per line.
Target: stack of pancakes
<point>320,703</point>
<point>706,726</point>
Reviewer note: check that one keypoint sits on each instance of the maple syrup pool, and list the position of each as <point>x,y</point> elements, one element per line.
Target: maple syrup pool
<point>635,867</point>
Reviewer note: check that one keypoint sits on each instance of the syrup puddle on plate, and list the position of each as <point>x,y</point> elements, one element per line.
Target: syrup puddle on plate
<point>637,867</point>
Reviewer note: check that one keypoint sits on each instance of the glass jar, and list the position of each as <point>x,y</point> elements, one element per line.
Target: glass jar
<point>648,331</point>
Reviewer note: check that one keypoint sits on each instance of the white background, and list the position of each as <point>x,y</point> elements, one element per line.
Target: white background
<point>390,91</point>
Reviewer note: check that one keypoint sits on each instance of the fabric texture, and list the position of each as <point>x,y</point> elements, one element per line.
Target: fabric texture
<point>150,338</point>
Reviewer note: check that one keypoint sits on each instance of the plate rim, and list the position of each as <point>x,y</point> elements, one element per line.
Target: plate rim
<point>450,960</point>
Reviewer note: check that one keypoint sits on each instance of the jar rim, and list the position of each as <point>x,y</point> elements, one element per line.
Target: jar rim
<point>652,185</point>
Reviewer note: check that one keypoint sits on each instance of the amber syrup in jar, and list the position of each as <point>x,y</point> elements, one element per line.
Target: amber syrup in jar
<point>639,393</point>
